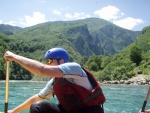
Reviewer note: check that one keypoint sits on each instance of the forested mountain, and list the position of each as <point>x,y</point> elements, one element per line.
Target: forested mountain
<point>82,39</point>
<point>139,51</point>
<point>9,30</point>
<point>85,37</point>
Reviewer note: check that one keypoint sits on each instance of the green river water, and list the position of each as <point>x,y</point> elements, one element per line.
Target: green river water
<point>119,98</point>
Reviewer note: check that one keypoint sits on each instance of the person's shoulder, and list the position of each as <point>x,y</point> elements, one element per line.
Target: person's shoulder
<point>70,68</point>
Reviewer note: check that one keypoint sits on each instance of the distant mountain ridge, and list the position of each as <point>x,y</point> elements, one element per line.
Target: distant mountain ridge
<point>83,37</point>
<point>8,29</point>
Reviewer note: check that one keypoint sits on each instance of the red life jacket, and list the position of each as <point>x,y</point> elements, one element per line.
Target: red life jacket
<point>73,97</point>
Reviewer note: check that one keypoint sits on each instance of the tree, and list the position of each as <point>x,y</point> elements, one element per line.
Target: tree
<point>93,66</point>
<point>135,55</point>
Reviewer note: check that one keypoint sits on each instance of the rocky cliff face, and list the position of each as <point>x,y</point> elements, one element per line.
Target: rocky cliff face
<point>83,42</point>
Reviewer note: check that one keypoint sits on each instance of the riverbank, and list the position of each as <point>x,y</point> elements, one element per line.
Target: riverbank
<point>139,79</point>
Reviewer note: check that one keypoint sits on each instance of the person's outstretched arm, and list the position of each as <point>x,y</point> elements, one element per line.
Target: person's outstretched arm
<point>26,105</point>
<point>34,66</point>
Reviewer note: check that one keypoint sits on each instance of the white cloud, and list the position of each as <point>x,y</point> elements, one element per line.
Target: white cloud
<point>56,12</point>
<point>112,13</point>
<point>108,13</point>
<point>128,23</point>
<point>33,20</point>
<point>12,23</point>
<point>77,16</point>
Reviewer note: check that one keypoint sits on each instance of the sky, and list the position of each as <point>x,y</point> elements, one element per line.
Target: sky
<point>129,14</point>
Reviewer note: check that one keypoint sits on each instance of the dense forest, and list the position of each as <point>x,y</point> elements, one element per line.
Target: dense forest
<point>110,52</point>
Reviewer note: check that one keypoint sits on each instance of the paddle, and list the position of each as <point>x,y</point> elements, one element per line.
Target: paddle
<point>6,87</point>
<point>146,99</point>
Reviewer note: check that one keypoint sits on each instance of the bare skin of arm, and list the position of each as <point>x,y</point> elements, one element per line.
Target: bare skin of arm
<point>34,66</point>
<point>26,105</point>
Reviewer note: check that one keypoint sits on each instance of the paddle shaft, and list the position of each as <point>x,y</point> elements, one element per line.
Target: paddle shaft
<point>146,99</point>
<point>7,86</point>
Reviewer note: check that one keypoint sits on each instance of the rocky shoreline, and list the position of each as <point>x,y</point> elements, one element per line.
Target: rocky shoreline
<point>138,80</point>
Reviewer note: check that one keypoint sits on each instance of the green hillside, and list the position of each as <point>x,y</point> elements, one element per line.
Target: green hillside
<point>143,44</point>
<point>86,37</point>
<point>131,59</point>
<point>9,30</point>
<point>93,42</point>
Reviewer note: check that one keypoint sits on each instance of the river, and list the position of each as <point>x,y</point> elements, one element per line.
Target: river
<point>119,98</point>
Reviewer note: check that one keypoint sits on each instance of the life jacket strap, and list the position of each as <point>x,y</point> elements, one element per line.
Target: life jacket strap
<point>90,98</point>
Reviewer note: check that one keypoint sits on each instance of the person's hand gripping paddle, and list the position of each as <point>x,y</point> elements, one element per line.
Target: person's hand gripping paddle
<point>6,88</point>
<point>146,99</point>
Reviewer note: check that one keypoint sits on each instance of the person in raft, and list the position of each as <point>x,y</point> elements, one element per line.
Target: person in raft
<point>76,88</point>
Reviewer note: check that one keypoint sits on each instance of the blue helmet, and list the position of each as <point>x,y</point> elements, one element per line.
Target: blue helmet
<point>57,53</point>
